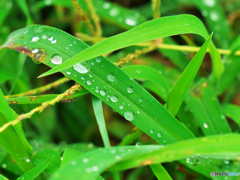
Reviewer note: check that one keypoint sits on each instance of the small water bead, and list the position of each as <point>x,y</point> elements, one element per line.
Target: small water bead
<point>138,144</point>
<point>130,22</point>
<point>53,41</point>
<point>204,13</point>
<point>4,165</point>
<point>82,68</point>
<point>74,42</point>
<point>103,93</point>
<point>209,3</point>
<point>89,82</point>
<point>35,39</point>
<point>73,163</point>
<point>138,112</point>
<point>106,5</point>
<point>114,98</point>
<point>121,107</point>
<point>95,168</point>
<point>193,161</point>
<point>214,16</point>
<point>97,91</point>
<point>50,38</point>
<point>68,72</point>
<point>44,36</point>
<point>85,160</point>
<point>82,78</point>
<point>66,47</point>
<point>25,32</point>
<point>35,50</point>
<point>98,59</point>
<point>140,100</point>
<point>92,63</point>
<point>114,12</point>
<point>27,160</point>
<point>129,115</point>
<point>117,157</point>
<point>111,77</point>
<point>70,44</point>
<point>56,59</point>
<point>90,75</point>
<point>159,134</point>
<point>38,56</point>
<point>205,125</point>
<point>151,131</point>
<point>130,89</point>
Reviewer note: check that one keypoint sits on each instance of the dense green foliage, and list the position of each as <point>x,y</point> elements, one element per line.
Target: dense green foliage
<point>156,93</point>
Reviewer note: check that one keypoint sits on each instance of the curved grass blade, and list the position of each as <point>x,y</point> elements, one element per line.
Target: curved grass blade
<point>43,98</point>
<point>158,28</point>
<point>98,111</point>
<point>24,7</point>
<point>160,172</point>
<point>179,90</point>
<point>34,172</point>
<point>101,78</point>
<point>3,178</point>
<point>121,158</point>
<point>232,111</point>
<point>203,103</point>
<point>148,73</point>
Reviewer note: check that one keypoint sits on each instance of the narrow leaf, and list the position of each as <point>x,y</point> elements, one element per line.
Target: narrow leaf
<point>160,172</point>
<point>232,111</point>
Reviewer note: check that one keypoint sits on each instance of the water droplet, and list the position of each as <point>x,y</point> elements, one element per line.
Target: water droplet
<point>4,165</point>
<point>130,22</point>
<point>114,98</point>
<point>130,89</point>
<point>35,50</point>
<point>68,72</point>
<point>98,59</point>
<point>193,161</point>
<point>66,47</point>
<point>92,63</point>
<point>53,41</point>
<point>159,134</point>
<point>106,5</point>
<point>111,77</point>
<point>95,168</point>
<point>82,68</point>
<point>114,12</point>
<point>44,36</point>
<point>56,59</point>
<point>138,71</point>
<point>117,157</point>
<point>209,3</point>
<point>103,93</point>
<point>48,2</point>
<point>205,125</point>
<point>226,162</point>
<point>88,170</point>
<point>97,91</point>
<point>70,44</point>
<point>73,163</point>
<point>89,82</point>
<point>214,16</point>
<point>121,107</point>
<point>151,131</point>
<point>204,13</point>
<point>28,160</point>
<point>138,144</point>
<point>138,112</point>
<point>25,32</point>
<point>129,115</point>
<point>50,38</point>
<point>37,57</point>
<point>90,75</point>
<point>61,158</point>
<point>82,78</point>
<point>85,160</point>
<point>35,39</point>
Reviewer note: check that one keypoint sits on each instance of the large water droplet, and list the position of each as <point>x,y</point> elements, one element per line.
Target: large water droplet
<point>111,77</point>
<point>129,115</point>
<point>130,22</point>
<point>130,89</point>
<point>114,12</point>
<point>35,50</point>
<point>205,125</point>
<point>4,165</point>
<point>38,56</point>
<point>82,68</point>
<point>103,93</point>
<point>56,59</point>
<point>114,98</point>
<point>68,72</point>
<point>138,144</point>
<point>51,38</point>
<point>214,16</point>
<point>35,39</point>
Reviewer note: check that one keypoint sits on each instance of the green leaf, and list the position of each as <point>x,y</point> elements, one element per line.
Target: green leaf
<point>98,111</point>
<point>179,90</point>
<point>160,172</point>
<point>69,155</point>
<point>121,158</point>
<point>232,111</point>
<point>34,172</point>
<point>203,103</point>
<point>3,178</point>
<point>158,28</point>
<point>24,7</point>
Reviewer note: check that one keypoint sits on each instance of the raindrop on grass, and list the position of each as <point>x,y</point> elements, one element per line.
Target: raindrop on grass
<point>193,161</point>
<point>151,131</point>
<point>73,163</point>
<point>98,59</point>
<point>214,16</point>
<point>82,68</point>
<point>53,41</point>
<point>138,144</point>
<point>159,134</point>
<point>89,82</point>
<point>130,22</point>
<point>114,98</point>
<point>35,39</point>
<point>51,38</point>
<point>4,165</point>
<point>129,115</point>
<point>209,3</point>
<point>56,59</point>
<point>103,93</point>
<point>205,125</point>
<point>111,77</point>
<point>85,160</point>
<point>44,36</point>
<point>68,72</point>
<point>138,71</point>
<point>95,168</point>
<point>130,89</point>
<point>35,50</point>
<point>117,157</point>
<point>121,107</point>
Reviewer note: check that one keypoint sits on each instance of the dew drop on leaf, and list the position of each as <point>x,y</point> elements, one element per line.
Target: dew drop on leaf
<point>85,160</point>
<point>95,168</point>
<point>53,41</point>
<point>121,107</point>
<point>138,144</point>
<point>98,59</point>
<point>35,39</point>
<point>51,38</point>
<point>130,22</point>
<point>193,161</point>
<point>35,50</point>
<point>130,89</point>
<point>129,115</point>
<point>89,82</point>
<point>111,77</point>
<point>68,72</point>
<point>159,134</point>
<point>44,36</point>
<point>205,125</point>
<point>82,68</point>
<point>103,93</point>
<point>151,131</point>
<point>209,3</point>
<point>114,98</point>
<point>56,59</point>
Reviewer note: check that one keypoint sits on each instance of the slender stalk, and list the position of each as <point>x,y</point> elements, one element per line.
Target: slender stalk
<point>156,8</point>
<point>44,105</point>
<point>41,89</point>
